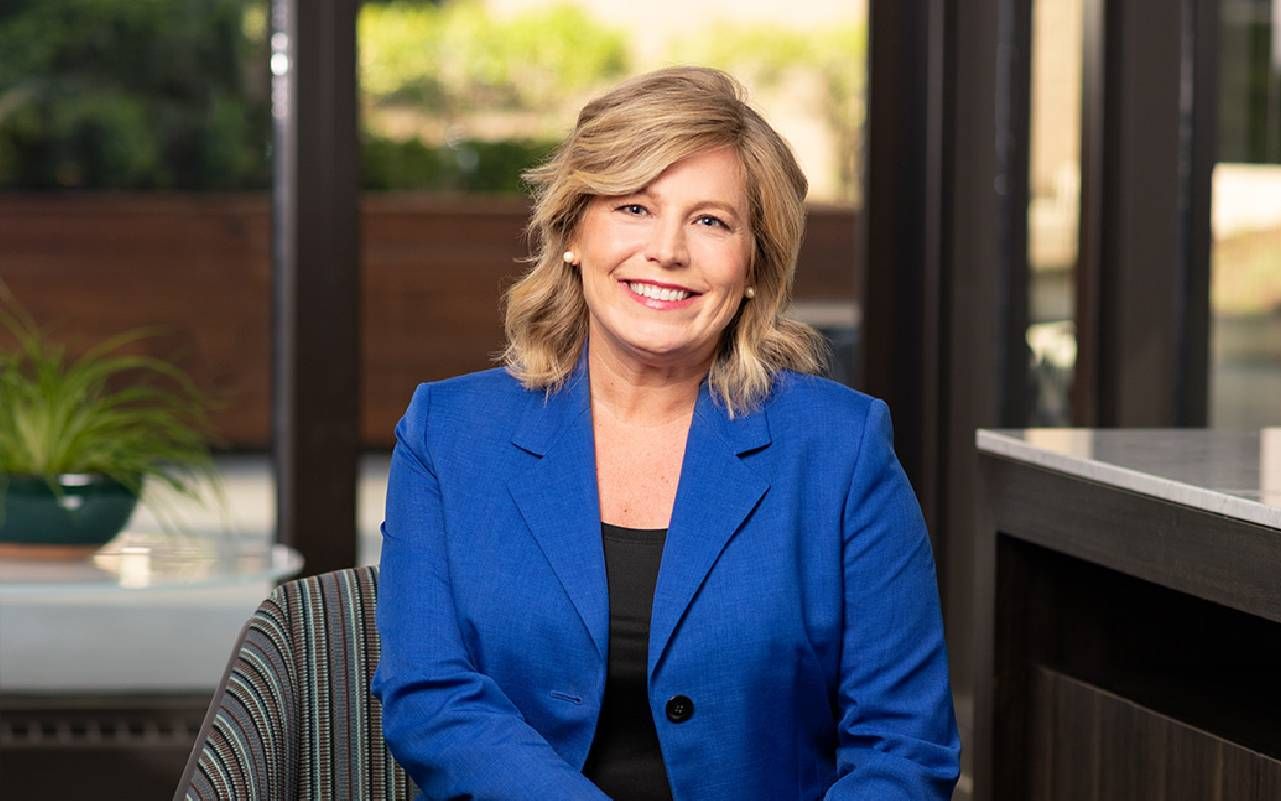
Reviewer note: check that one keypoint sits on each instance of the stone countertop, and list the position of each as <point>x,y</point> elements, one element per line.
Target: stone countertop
<point>1236,474</point>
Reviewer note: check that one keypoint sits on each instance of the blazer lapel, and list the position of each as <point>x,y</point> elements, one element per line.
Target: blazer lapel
<point>557,497</point>
<point>716,493</point>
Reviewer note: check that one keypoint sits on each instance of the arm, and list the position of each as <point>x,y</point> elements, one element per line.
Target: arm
<point>897,735</point>
<point>450,726</point>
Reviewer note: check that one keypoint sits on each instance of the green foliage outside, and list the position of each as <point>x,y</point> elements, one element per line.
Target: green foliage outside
<point>831,60</point>
<point>469,165</point>
<point>442,67</point>
<point>173,94</point>
<point>451,59</point>
<point>1249,129</point>
<point>136,94</point>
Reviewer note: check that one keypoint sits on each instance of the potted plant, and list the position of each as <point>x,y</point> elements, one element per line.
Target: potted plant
<point>80,437</point>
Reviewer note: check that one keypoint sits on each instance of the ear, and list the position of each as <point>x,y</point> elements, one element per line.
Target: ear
<point>570,245</point>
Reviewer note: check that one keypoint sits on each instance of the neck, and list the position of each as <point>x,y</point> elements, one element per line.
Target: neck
<point>639,393</point>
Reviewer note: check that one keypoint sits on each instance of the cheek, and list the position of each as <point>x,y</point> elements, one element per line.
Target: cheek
<point>731,284</point>
<point>598,272</point>
<point>732,271</point>
<point>599,290</point>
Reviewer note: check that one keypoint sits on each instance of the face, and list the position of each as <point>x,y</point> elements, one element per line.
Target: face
<point>664,269</point>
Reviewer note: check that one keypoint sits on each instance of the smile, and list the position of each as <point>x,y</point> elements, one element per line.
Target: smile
<point>657,292</point>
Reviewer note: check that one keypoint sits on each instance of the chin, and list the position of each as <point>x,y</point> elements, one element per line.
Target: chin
<point>666,352</point>
<point>656,350</point>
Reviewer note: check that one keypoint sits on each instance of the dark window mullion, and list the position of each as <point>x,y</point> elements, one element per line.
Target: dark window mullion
<point>316,375</point>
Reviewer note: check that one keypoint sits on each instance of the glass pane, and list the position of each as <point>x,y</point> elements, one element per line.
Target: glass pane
<point>459,96</point>
<point>1246,259</point>
<point>134,175</point>
<point>1054,206</point>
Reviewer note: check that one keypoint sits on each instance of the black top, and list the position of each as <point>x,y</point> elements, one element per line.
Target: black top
<point>625,761</point>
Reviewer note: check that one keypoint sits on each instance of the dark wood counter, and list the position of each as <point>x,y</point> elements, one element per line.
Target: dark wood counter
<point>1128,630</point>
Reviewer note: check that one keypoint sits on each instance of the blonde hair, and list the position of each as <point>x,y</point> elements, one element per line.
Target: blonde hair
<point>623,141</point>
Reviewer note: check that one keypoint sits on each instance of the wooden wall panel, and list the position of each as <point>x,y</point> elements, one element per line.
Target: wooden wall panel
<point>1193,771</point>
<point>1075,761</point>
<point>199,266</point>
<point>1133,742</point>
<point>1041,745</point>
<point>1106,748</point>
<point>433,272</point>
<point>1247,775</point>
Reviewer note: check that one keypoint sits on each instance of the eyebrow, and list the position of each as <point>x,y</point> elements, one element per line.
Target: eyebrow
<point>699,204</point>
<point>717,204</point>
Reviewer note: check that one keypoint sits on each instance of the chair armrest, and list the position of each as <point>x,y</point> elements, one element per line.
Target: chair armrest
<point>247,748</point>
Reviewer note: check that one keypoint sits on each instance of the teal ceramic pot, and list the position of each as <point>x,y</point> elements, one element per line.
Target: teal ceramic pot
<point>91,510</point>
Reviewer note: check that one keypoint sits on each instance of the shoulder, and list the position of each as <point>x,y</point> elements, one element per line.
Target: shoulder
<point>462,393</point>
<point>472,402</point>
<point>821,414</point>
<point>800,397</point>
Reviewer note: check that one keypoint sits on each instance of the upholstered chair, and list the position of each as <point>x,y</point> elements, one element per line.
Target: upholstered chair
<point>293,717</point>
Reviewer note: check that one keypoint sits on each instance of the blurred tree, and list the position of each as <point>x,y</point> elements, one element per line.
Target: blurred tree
<point>465,165</point>
<point>449,61</point>
<point>1249,84</point>
<point>132,94</point>
<point>173,94</point>
<point>770,57</point>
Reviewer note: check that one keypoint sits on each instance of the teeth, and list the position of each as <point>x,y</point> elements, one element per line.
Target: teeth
<point>657,293</point>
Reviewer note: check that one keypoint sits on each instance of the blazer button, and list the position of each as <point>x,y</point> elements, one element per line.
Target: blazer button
<point>679,708</point>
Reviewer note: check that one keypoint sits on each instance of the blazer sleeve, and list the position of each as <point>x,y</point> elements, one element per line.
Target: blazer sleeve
<point>449,725</point>
<point>897,736</point>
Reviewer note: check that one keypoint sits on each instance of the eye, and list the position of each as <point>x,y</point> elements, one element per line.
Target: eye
<point>712,221</point>
<point>634,209</point>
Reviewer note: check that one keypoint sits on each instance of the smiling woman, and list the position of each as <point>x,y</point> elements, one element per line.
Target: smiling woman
<point>629,564</point>
<point>662,274</point>
<point>687,133</point>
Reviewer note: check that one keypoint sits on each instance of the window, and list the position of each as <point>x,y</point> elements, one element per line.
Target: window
<point>1246,258</point>
<point>1054,206</point>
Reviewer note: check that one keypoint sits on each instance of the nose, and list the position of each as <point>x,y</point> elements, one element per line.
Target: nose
<point>667,246</point>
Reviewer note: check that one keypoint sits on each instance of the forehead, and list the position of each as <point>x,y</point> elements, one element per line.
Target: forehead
<point>716,173</point>
<point>712,176</point>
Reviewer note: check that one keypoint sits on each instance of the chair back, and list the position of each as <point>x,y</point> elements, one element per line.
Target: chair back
<point>293,717</point>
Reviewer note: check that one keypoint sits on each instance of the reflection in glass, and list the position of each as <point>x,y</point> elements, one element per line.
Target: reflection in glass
<point>1246,258</point>
<point>1054,206</point>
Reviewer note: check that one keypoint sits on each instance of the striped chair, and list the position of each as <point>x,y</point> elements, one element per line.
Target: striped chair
<point>293,717</point>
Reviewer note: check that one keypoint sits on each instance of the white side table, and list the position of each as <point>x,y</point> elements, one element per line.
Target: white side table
<point>150,612</point>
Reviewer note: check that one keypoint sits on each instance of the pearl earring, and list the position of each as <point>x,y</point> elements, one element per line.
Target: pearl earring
<point>568,258</point>
<point>749,293</point>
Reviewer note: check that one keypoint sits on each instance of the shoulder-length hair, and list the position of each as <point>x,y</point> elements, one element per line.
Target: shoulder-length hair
<point>623,141</point>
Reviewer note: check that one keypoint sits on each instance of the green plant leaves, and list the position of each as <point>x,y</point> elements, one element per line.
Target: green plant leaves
<point>128,416</point>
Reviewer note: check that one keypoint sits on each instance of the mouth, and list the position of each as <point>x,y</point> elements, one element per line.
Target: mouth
<point>664,295</point>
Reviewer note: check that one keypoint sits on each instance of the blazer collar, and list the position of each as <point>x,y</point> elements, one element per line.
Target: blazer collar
<point>716,494</point>
<point>546,415</point>
<point>558,498</point>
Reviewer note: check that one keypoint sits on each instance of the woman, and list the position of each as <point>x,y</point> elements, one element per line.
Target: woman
<point>652,556</point>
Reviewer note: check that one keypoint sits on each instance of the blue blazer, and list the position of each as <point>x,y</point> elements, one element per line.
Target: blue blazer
<point>796,603</point>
